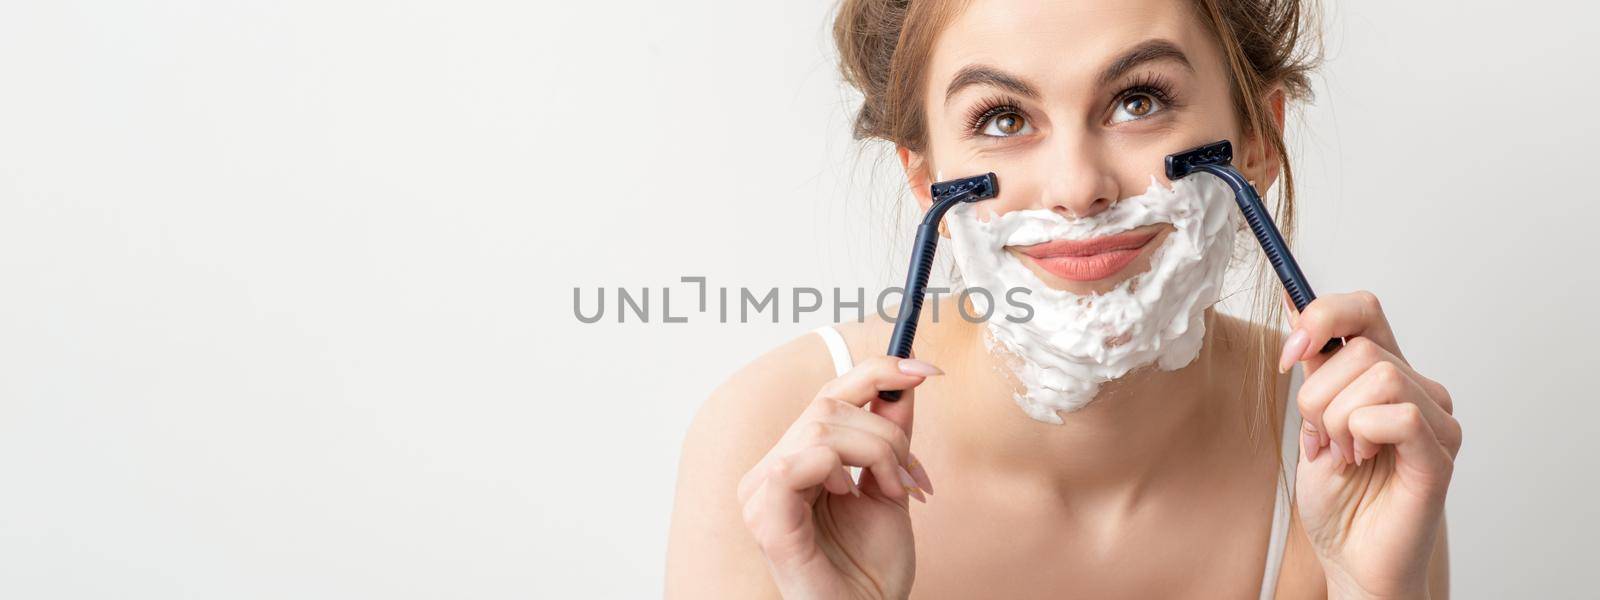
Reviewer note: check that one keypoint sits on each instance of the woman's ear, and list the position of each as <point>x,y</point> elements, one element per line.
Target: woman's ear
<point>916,169</point>
<point>1260,163</point>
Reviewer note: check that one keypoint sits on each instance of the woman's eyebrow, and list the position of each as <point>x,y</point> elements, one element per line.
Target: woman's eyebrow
<point>971,75</point>
<point>1147,51</point>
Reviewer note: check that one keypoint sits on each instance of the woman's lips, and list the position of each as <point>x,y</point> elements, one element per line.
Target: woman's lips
<point>1091,259</point>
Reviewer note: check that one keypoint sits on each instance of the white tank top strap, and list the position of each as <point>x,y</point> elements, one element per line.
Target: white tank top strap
<point>1284,501</point>
<point>836,348</point>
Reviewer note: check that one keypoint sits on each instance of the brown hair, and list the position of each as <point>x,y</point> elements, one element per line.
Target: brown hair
<point>884,46</point>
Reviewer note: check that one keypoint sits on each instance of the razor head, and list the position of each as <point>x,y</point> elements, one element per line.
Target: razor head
<point>1183,163</point>
<point>981,187</point>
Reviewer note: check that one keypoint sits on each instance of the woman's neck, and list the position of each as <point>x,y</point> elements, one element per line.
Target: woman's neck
<point>1138,430</point>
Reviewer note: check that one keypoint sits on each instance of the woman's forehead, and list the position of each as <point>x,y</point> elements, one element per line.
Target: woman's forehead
<point>1062,42</point>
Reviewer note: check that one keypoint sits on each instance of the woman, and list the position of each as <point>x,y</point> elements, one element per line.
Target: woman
<point>1171,479</point>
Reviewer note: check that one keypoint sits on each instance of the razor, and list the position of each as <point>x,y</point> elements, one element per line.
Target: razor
<point>1217,159</point>
<point>946,194</point>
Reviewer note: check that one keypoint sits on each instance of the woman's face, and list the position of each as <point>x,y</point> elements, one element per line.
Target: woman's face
<point>1075,104</point>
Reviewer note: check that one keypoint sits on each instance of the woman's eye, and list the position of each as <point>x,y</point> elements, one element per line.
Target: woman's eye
<point>1135,106</point>
<point>1006,124</point>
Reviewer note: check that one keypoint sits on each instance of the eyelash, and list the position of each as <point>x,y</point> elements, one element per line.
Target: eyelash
<point>1150,83</point>
<point>989,108</point>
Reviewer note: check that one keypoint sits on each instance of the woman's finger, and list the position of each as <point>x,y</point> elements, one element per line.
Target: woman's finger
<point>1382,383</point>
<point>1337,373</point>
<point>1406,427</point>
<point>901,415</point>
<point>776,512</point>
<point>861,384</point>
<point>840,482</point>
<point>859,448</point>
<point>900,412</point>
<point>1343,316</point>
<point>832,411</point>
<point>828,410</point>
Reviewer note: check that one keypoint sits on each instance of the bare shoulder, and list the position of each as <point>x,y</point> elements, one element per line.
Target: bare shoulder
<point>770,391</point>
<point>734,427</point>
<point>758,402</point>
<point>866,338</point>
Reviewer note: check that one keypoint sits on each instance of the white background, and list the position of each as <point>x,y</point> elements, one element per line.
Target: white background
<point>288,286</point>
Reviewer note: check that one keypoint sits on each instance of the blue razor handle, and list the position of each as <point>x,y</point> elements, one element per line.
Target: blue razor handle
<point>1217,159</point>
<point>946,194</point>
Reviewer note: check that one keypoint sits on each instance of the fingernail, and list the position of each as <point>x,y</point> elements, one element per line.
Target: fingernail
<point>905,478</point>
<point>921,475</point>
<point>912,366</point>
<point>911,485</point>
<point>1362,451</point>
<point>1338,452</point>
<point>1308,440</point>
<point>855,490</point>
<point>1293,348</point>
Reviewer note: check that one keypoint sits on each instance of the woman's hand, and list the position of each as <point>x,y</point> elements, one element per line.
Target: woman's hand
<point>824,537</point>
<point>1378,448</point>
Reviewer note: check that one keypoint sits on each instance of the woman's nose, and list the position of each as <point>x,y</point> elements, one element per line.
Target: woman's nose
<point>1080,184</point>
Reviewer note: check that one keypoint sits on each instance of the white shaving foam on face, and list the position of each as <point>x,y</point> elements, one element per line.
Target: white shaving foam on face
<point>1073,343</point>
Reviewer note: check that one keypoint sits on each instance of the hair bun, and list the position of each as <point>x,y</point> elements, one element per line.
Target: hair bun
<point>866,33</point>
